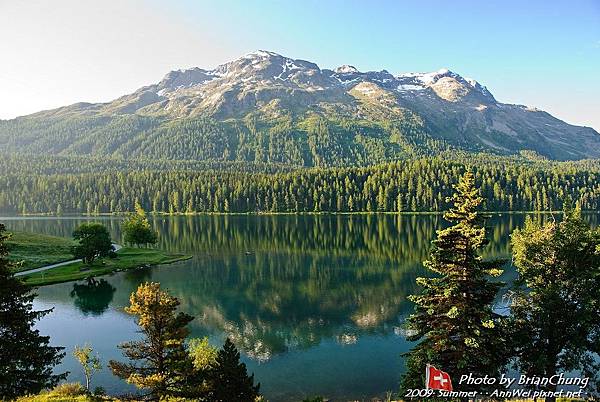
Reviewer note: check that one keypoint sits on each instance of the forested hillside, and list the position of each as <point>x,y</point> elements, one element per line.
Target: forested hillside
<point>408,185</point>
<point>311,141</point>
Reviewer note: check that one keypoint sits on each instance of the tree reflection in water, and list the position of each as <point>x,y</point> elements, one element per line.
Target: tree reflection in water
<point>94,296</point>
<point>280,283</point>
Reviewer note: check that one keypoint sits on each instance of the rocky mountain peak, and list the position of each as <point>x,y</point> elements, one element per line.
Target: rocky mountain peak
<point>272,86</point>
<point>257,70</point>
<point>262,65</point>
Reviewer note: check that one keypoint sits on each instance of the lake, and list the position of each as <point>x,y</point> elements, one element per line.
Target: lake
<point>314,303</point>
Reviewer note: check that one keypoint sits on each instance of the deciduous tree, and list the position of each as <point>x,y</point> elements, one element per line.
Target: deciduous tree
<point>555,313</point>
<point>202,352</point>
<point>203,355</point>
<point>94,241</point>
<point>89,362</point>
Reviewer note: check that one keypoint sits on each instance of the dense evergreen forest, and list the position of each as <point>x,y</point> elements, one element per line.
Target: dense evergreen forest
<point>27,164</point>
<point>76,185</point>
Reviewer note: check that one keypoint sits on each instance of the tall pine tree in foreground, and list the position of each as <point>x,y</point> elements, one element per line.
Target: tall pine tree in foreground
<point>454,320</point>
<point>228,378</point>
<point>26,359</point>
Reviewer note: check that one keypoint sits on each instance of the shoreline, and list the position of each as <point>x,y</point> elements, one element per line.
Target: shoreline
<point>304,213</point>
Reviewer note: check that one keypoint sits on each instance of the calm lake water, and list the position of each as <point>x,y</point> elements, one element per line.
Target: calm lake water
<point>314,303</point>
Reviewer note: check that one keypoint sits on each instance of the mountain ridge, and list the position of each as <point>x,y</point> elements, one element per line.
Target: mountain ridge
<point>261,97</point>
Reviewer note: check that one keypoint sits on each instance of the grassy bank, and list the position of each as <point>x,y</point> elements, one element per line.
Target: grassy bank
<point>36,250</point>
<point>127,258</point>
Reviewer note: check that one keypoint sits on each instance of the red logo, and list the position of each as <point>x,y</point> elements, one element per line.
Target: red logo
<point>437,379</point>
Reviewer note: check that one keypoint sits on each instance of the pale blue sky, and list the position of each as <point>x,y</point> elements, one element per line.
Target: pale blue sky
<point>538,53</point>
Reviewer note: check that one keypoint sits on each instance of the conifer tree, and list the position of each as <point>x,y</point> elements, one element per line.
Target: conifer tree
<point>137,229</point>
<point>228,378</point>
<point>454,320</point>
<point>26,359</point>
<point>159,362</point>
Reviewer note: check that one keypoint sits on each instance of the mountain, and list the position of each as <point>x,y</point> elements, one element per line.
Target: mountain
<point>265,107</point>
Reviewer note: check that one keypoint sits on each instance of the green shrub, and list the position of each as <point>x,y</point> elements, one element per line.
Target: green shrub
<point>68,389</point>
<point>99,391</point>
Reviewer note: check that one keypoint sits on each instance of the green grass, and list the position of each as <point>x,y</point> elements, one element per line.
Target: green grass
<point>66,392</point>
<point>127,258</point>
<point>36,250</point>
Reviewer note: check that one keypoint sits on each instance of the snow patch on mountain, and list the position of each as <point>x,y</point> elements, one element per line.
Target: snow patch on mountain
<point>261,54</point>
<point>409,87</point>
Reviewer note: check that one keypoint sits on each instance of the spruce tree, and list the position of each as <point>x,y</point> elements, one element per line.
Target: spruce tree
<point>454,319</point>
<point>26,358</point>
<point>228,378</point>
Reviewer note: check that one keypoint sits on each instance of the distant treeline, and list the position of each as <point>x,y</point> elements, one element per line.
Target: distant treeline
<point>407,185</point>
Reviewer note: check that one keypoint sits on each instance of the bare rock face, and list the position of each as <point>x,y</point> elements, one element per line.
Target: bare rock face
<point>450,89</point>
<point>439,106</point>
